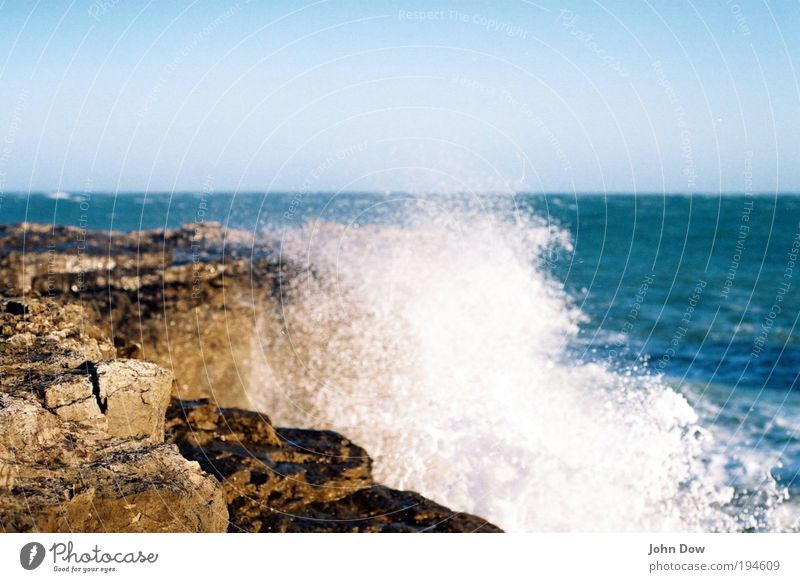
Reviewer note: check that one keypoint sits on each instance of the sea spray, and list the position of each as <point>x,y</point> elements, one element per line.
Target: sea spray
<point>442,347</point>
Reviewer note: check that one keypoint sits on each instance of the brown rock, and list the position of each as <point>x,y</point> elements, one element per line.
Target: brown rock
<point>296,480</point>
<point>81,445</point>
<point>378,509</point>
<point>134,396</point>
<point>152,489</point>
<point>27,430</point>
<point>170,297</point>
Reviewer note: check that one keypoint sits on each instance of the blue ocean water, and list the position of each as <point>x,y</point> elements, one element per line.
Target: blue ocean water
<point>700,291</point>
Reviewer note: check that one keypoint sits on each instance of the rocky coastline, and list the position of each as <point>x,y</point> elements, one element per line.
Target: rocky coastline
<point>122,404</point>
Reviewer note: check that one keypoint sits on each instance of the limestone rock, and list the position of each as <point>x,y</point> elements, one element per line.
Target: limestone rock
<point>27,430</point>
<point>152,489</point>
<point>41,338</point>
<point>72,397</point>
<point>134,396</point>
<point>81,438</point>
<point>162,296</point>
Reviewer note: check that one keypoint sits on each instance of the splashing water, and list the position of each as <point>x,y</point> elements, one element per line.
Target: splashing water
<point>442,348</point>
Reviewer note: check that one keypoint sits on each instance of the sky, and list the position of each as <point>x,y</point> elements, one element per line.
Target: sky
<point>413,96</point>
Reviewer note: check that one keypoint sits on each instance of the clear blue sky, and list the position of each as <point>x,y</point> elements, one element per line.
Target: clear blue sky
<point>120,95</point>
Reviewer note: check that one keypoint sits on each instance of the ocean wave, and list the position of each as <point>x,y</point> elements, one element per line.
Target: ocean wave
<point>442,347</point>
<point>59,196</point>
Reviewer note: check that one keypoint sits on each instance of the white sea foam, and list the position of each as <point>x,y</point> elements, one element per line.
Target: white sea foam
<point>440,348</point>
<point>59,196</point>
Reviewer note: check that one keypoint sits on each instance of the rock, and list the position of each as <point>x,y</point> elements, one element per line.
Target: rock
<point>378,509</point>
<point>72,397</point>
<point>42,253</point>
<point>50,353</point>
<point>134,396</point>
<point>27,430</point>
<point>262,472</point>
<point>81,438</point>
<point>151,489</point>
<point>45,338</point>
<point>184,319</point>
<point>295,480</point>
<point>54,476</point>
<point>164,296</point>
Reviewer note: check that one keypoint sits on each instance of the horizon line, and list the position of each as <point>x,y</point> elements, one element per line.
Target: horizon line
<point>395,193</point>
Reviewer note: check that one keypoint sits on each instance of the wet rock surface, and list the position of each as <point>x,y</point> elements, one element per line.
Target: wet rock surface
<point>380,509</point>
<point>109,340</point>
<point>297,480</point>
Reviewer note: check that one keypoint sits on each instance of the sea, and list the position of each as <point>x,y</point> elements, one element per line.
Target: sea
<point>552,362</point>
